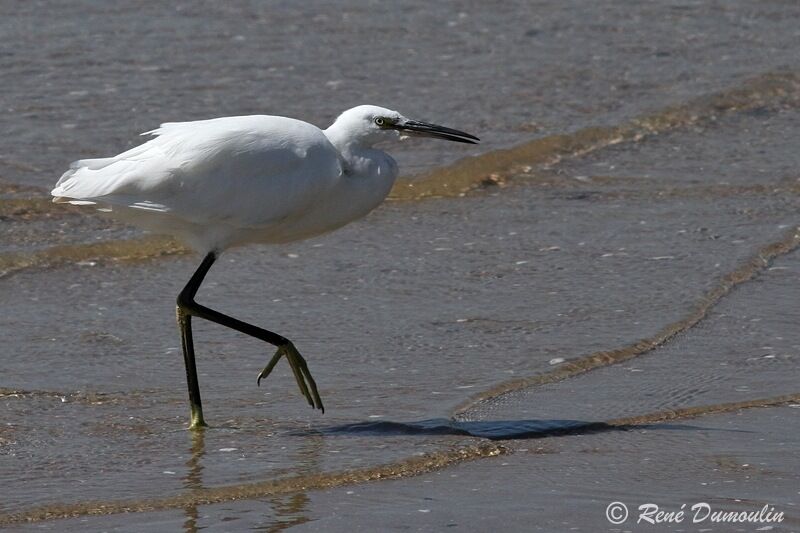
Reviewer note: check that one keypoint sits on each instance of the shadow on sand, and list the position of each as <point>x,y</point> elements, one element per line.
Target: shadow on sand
<point>492,429</point>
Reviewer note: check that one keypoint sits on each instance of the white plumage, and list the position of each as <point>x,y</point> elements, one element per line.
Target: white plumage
<point>229,181</point>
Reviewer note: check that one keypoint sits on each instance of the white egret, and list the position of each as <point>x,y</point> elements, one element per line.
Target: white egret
<point>230,181</point>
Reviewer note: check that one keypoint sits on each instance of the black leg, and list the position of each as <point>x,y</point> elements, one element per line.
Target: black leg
<point>187,308</point>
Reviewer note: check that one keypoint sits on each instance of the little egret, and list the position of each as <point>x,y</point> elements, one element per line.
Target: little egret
<point>229,181</point>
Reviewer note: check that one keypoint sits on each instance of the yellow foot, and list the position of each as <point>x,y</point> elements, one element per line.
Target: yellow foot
<point>197,422</point>
<point>301,373</point>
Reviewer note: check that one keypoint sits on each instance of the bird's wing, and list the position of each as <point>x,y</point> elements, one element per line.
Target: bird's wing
<point>246,171</point>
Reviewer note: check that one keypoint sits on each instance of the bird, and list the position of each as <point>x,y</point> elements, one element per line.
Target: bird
<point>225,182</point>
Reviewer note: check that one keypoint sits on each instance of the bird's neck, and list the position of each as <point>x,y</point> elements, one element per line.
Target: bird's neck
<point>367,179</point>
<point>339,136</point>
<point>369,173</point>
<point>347,137</point>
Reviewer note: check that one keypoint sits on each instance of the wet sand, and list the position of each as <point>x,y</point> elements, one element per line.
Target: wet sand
<point>602,313</point>
<point>562,483</point>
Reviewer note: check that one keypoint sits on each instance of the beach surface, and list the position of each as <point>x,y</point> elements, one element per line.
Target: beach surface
<point>596,304</point>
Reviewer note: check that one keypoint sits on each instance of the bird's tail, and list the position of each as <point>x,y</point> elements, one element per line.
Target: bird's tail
<point>83,181</point>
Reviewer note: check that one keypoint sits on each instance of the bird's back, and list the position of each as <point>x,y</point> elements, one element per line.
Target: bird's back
<point>211,180</point>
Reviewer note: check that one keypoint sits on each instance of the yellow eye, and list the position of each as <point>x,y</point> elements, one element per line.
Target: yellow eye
<point>380,121</point>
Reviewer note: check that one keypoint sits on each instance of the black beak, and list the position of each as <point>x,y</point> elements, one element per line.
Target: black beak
<point>424,129</point>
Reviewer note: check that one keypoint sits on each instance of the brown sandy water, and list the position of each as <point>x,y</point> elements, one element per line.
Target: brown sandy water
<point>590,302</point>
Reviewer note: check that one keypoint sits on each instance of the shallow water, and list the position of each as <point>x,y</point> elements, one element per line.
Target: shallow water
<point>651,199</point>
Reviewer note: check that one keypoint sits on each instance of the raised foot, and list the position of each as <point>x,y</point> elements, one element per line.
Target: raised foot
<point>305,382</point>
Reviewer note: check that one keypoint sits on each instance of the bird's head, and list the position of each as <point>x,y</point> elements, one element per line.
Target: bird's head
<point>369,124</point>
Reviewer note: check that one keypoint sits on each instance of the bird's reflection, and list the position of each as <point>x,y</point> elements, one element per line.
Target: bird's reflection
<point>291,509</point>
<point>286,510</point>
<point>194,477</point>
